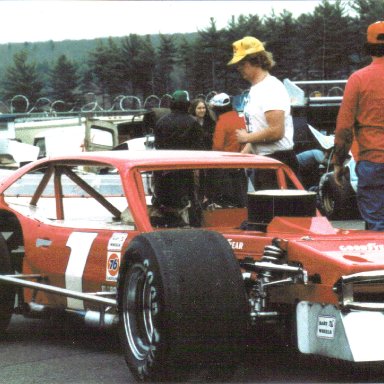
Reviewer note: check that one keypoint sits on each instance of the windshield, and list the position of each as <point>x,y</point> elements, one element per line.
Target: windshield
<point>207,197</point>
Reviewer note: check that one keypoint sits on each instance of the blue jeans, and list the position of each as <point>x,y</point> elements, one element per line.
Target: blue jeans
<point>370,193</point>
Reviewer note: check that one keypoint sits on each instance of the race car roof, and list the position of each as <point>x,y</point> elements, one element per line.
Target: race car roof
<point>166,157</point>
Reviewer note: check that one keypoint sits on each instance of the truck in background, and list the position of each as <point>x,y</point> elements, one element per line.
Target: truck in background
<point>55,133</point>
<point>64,135</point>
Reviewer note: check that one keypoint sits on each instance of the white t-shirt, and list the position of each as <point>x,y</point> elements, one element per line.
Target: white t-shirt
<point>267,95</point>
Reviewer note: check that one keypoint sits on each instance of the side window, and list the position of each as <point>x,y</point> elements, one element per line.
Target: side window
<point>91,194</point>
<point>101,137</point>
<point>21,194</point>
<point>66,192</point>
<point>40,143</point>
<point>24,187</point>
<point>197,197</point>
<point>207,197</point>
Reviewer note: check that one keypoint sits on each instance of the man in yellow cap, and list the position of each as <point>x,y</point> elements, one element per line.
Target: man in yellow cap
<point>267,109</point>
<point>361,117</point>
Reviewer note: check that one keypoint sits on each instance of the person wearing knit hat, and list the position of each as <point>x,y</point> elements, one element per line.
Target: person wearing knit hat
<point>178,129</point>
<point>174,191</point>
<point>267,109</point>
<point>361,119</point>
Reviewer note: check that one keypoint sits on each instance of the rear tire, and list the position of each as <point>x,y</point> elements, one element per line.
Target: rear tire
<point>182,303</point>
<point>7,291</point>
<point>335,202</point>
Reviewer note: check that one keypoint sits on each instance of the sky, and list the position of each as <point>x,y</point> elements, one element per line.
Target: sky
<point>31,21</point>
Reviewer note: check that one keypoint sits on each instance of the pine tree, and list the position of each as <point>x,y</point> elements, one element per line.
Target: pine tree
<point>64,80</point>
<point>185,62</point>
<point>106,64</point>
<point>166,60</point>
<point>209,58</point>
<point>282,34</point>
<point>139,58</point>
<point>22,79</point>
<point>333,55</point>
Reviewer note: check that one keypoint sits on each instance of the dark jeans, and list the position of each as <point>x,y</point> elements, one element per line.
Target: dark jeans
<point>370,193</point>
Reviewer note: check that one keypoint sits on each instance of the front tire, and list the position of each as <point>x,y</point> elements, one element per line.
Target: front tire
<point>181,302</point>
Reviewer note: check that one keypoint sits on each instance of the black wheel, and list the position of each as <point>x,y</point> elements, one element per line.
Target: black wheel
<point>7,292</point>
<point>181,302</point>
<point>335,202</point>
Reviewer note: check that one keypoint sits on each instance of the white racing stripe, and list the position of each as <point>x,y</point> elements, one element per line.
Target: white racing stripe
<point>80,244</point>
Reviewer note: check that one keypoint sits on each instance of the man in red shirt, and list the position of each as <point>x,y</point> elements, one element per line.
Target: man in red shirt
<point>229,187</point>
<point>361,117</point>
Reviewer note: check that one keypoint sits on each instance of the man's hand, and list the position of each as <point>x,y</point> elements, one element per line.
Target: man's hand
<point>339,172</point>
<point>242,136</point>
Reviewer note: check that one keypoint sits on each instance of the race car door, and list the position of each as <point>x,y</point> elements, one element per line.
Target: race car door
<point>73,234</point>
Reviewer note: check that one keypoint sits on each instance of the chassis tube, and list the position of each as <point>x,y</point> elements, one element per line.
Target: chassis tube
<point>57,290</point>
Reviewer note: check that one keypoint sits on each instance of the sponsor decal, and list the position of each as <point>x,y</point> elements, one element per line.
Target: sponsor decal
<point>236,244</point>
<point>113,264</point>
<point>370,247</point>
<point>116,241</point>
<point>326,326</point>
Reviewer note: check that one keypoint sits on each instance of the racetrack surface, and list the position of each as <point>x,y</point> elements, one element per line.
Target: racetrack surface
<point>58,352</point>
<point>66,351</point>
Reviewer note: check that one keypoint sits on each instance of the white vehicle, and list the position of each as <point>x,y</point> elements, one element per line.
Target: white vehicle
<point>14,153</point>
<point>66,135</point>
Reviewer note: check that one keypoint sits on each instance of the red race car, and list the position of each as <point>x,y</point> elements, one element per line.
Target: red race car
<point>189,254</point>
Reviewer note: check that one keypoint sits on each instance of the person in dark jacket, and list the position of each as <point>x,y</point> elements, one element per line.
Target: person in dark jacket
<point>178,129</point>
<point>175,201</point>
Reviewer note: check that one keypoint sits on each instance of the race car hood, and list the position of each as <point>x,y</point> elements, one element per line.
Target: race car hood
<point>316,245</point>
<point>318,236</point>
<point>328,251</point>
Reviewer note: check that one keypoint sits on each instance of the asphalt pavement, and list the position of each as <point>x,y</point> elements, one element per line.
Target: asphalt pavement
<point>60,351</point>
<point>57,352</point>
<point>65,351</point>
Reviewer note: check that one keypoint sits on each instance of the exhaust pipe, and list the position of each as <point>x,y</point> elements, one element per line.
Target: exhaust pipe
<point>93,319</point>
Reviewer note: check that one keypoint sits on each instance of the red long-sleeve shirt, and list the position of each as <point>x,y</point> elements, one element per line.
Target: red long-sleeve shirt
<point>224,137</point>
<point>361,115</point>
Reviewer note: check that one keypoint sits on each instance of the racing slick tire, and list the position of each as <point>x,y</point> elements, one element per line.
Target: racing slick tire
<point>182,304</point>
<point>7,291</point>
<point>337,203</point>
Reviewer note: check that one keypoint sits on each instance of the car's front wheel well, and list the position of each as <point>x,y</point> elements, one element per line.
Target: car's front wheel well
<point>11,230</point>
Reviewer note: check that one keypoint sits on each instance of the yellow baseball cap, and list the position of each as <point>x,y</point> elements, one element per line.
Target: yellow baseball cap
<point>375,33</point>
<point>244,47</point>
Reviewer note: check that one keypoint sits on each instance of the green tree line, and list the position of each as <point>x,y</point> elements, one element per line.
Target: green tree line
<point>324,44</point>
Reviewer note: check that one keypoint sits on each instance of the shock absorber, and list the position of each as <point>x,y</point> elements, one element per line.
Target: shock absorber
<point>262,274</point>
<point>273,252</point>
